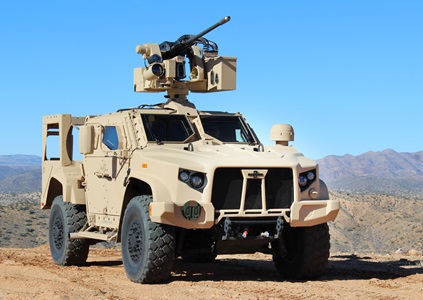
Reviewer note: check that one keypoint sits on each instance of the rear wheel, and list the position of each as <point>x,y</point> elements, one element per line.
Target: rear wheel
<point>148,248</point>
<point>303,252</point>
<point>66,218</point>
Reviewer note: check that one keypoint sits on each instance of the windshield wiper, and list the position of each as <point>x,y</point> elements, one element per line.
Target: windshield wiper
<point>159,142</point>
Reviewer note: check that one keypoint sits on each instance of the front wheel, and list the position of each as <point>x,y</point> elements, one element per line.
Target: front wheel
<point>66,218</point>
<point>305,254</point>
<point>148,248</point>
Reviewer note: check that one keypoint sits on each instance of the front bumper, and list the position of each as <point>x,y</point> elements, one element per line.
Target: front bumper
<point>302,214</point>
<point>313,212</point>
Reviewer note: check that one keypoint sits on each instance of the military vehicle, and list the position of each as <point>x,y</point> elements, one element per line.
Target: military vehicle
<point>168,181</point>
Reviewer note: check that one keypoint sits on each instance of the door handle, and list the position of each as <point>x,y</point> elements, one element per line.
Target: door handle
<point>103,175</point>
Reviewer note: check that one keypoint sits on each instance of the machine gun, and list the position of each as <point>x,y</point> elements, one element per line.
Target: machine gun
<point>165,66</point>
<point>178,48</point>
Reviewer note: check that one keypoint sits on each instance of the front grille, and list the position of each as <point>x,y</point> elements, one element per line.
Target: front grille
<point>227,189</point>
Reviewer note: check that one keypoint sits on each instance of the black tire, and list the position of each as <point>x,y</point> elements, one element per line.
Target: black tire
<point>66,218</point>
<point>148,248</point>
<point>307,252</point>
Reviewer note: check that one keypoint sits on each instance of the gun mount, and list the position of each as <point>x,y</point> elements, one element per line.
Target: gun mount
<point>165,66</point>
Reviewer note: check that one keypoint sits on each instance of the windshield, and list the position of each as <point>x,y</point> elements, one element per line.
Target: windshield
<point>228,129</point>
<point>166,128</point>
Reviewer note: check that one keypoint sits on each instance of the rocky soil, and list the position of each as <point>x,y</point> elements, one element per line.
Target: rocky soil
<point>30,274</point>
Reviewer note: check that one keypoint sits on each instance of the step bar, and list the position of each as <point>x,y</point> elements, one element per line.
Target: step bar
<point>93,235</point>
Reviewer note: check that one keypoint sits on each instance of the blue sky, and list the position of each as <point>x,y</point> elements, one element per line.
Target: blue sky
<point>347,75</point>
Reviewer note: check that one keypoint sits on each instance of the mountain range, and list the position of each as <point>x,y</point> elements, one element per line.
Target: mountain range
<point>385,172</point>
<point>20,174</point>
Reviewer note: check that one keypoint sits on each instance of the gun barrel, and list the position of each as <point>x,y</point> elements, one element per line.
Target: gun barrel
<point>180,47</point>
<point>204,32</point>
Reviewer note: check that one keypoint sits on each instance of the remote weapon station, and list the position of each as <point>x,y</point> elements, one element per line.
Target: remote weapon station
<point>168,181</point>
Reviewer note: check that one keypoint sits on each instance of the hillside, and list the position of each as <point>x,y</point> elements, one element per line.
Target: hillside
<point>386,172</point>
<point>370,223</point>
<point>367,223</point>
<point>27,181</point>
<point>20,174</point>
<point>23,223</point>
<point>387,164</point>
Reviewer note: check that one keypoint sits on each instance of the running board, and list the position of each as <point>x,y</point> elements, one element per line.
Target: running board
<point>92,235</point>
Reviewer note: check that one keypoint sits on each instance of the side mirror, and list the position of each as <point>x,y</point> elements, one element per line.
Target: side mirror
<point>86,139</point>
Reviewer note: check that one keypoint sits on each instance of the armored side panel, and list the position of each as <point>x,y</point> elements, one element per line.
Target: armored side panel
<point>61,174</point>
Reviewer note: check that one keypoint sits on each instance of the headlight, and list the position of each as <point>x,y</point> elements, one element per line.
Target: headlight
<point>196,180</point>
<point>302,181</point>
<point>184,176</point>
<point>305,179</point>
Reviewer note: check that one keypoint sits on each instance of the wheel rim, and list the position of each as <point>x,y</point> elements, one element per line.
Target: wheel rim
<point>135,242</point>
<point>58,233</point>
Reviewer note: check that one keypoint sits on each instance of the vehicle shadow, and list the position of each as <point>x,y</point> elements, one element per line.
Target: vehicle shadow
<point>225,269</point>
<point>345,267</point>
<point>110,263</point>
<point>341,267</point>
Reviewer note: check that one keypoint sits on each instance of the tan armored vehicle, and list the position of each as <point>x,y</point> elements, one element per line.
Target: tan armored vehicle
<point>169,181</point>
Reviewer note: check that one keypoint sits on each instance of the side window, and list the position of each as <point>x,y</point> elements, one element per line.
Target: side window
<point>110,138</point>
<point>52,142</point>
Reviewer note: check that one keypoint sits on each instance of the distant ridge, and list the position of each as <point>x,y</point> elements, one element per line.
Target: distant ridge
<point>383,172</point>
<point>25,182</point>
<point>20,174</point>
<point>20,160</point>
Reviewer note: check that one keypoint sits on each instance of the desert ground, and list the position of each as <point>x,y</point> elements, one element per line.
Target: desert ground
<point>30,274</point>
<point>365,262</point>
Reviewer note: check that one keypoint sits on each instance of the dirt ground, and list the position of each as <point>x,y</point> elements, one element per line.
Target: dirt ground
<point>30,274</point>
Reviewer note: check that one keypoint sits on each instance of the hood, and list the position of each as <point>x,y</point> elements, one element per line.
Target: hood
<point>202,156</point>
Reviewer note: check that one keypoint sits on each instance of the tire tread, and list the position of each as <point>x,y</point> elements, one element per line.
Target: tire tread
<point>73,252</point>
<point>311,256</point>
<point>160,246</point>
